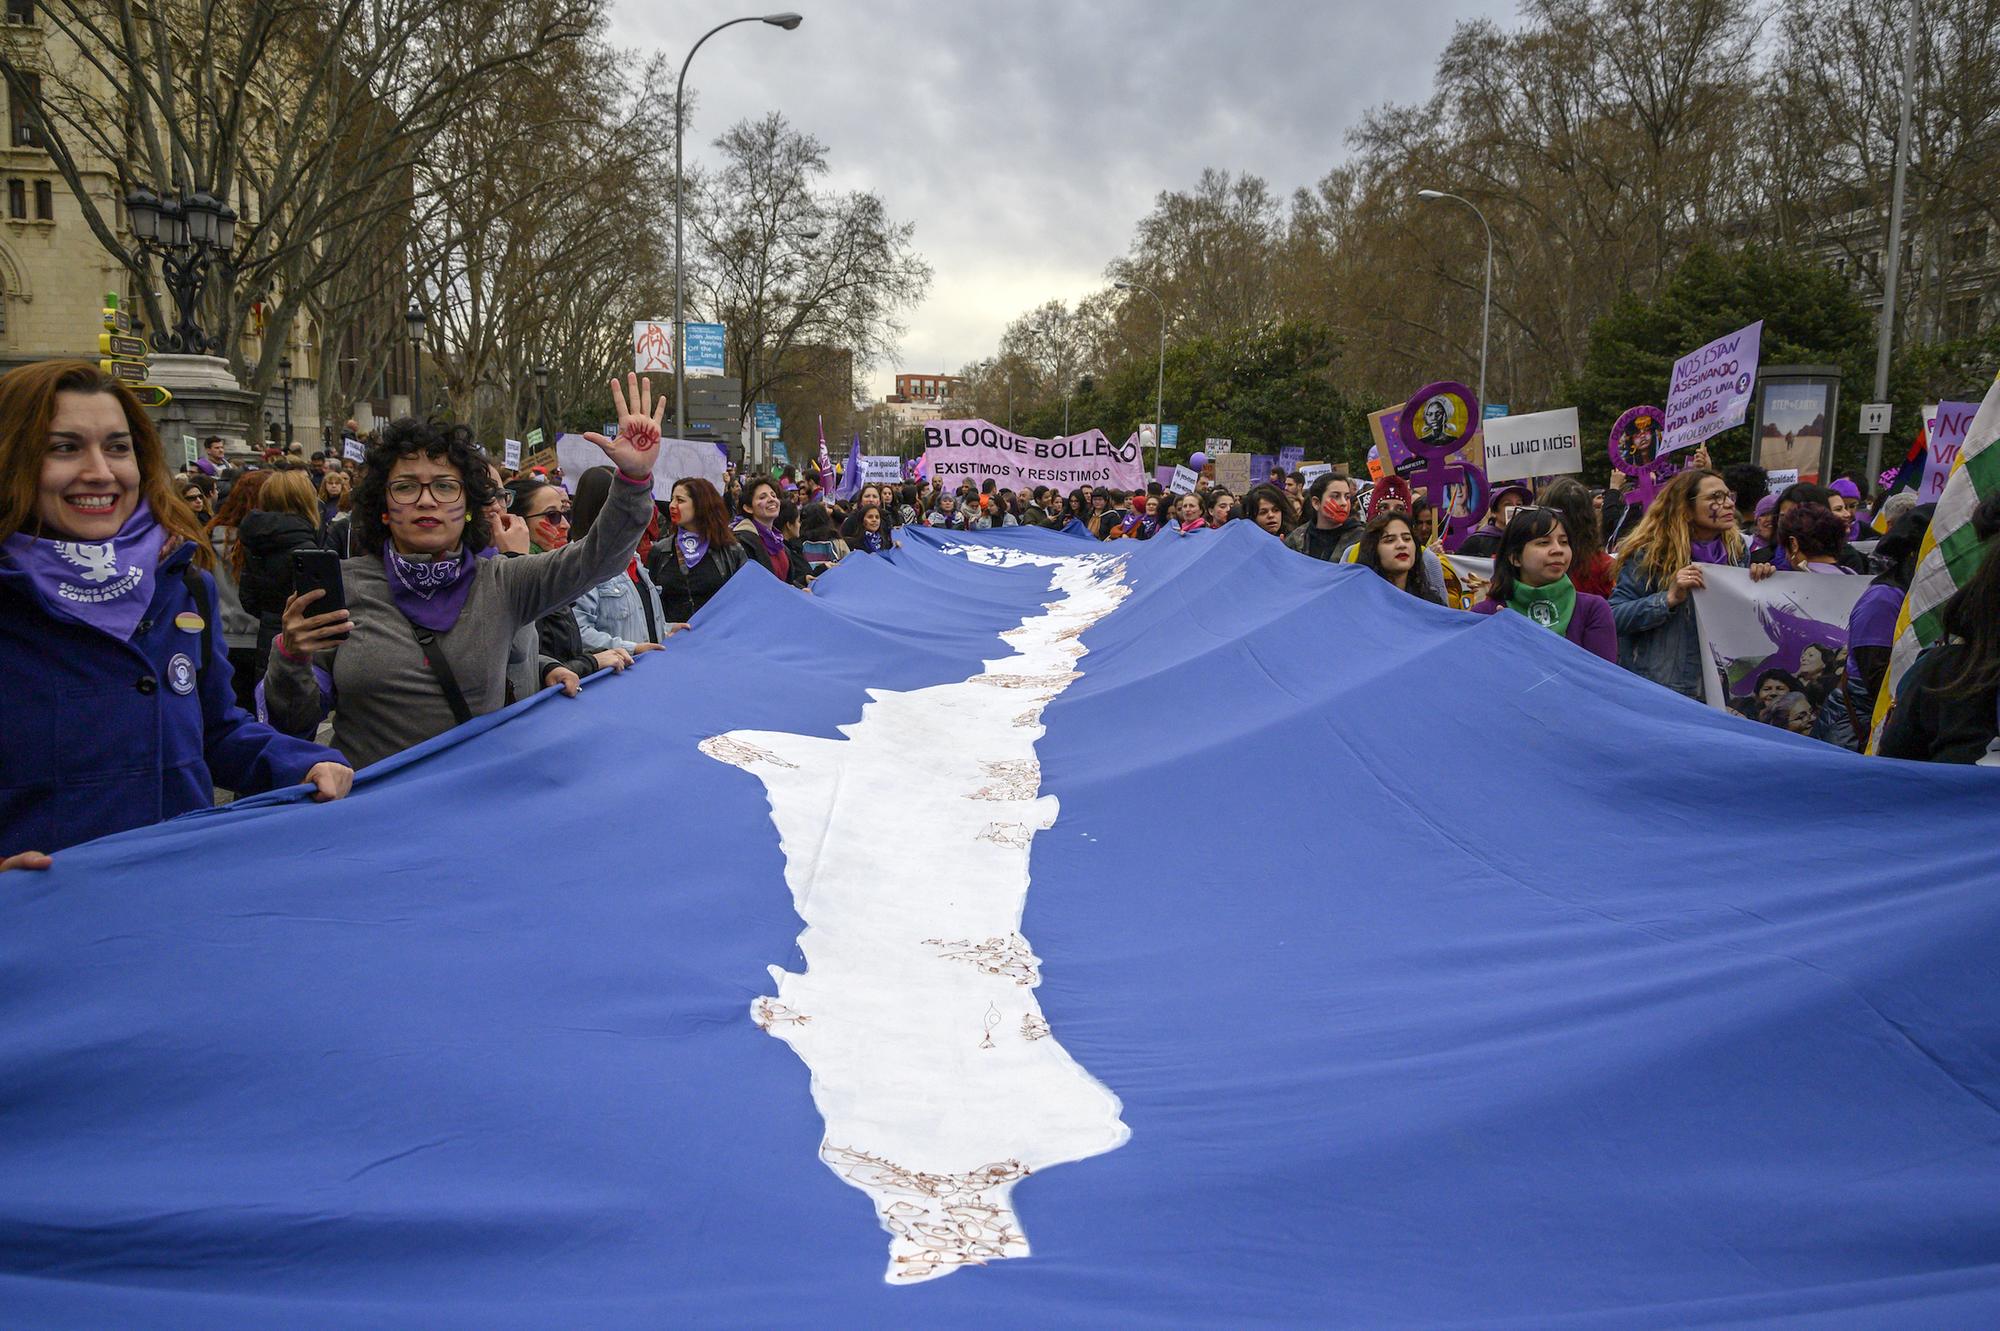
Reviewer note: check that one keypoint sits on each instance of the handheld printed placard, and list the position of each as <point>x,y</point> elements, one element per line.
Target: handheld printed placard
<point>1215,446</point>
<point>1183,481</point>
<point>880,470</point>
<point>1543,443</point>
<point>978,450</point>
<point>1312,471</point>
<point>353,450</point>
<point>510,454</point>
<point>191,448</point>
<point>1710,389</point>
<point>1436,422</point>
<point>1290,458</point>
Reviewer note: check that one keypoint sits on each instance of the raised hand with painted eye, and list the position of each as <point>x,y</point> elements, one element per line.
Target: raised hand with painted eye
<point>637,446</point>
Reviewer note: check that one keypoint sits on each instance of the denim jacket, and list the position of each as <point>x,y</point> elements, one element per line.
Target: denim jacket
<point>1661,643</point>
<point>613,613</point>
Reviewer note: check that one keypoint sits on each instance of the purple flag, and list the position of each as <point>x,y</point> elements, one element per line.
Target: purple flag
<point>850,478</point>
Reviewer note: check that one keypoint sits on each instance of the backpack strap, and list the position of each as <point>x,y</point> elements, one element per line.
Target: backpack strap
<point>441,671</point>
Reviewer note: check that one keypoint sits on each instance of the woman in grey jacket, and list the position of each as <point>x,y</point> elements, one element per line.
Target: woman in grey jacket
<point>1692,522</point>
<point>423,643</point>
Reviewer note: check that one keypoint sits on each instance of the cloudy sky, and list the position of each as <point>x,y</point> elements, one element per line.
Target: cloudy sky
<point>1026,139</point>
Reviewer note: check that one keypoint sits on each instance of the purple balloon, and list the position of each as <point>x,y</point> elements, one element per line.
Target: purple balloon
<point>1198,461</point>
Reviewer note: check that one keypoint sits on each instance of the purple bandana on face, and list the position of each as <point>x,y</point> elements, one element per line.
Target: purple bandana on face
<point>105,584</point>
<point>692,545</point>
<point>430,595</point>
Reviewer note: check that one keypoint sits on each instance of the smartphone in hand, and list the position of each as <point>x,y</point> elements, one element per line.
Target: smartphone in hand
<point>319,570</point>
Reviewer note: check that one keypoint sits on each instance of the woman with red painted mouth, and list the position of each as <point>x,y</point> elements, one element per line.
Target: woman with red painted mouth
<point>423,643</point>
<point>123,709</point>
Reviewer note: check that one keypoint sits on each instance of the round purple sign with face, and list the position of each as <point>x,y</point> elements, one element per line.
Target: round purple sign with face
<point>1438,419</point>
<point>1633,447</point>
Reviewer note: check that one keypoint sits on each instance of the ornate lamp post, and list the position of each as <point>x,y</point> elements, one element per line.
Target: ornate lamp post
<point>190,234</point>
<point>415,318</point>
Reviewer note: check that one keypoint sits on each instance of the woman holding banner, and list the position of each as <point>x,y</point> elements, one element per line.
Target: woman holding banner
<point>1692,522</point>
<point>1531,577</point>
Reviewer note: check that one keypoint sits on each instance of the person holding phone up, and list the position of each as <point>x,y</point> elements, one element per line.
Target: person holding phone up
<point>422,641</point>
<point>121,709</point>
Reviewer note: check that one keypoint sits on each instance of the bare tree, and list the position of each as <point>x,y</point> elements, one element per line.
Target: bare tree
<point>310,116</point>
<point>787,266</point>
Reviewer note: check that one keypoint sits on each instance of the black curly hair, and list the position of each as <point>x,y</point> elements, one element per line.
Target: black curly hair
<point>406,438</point>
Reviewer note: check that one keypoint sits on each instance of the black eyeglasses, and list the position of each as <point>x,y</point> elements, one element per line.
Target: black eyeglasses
<point>552,514</point>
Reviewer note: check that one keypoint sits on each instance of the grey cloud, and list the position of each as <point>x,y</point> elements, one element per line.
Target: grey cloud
<point>1026,140</point>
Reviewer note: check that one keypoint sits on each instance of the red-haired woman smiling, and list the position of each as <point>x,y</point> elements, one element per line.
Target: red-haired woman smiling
<point>122,707</point>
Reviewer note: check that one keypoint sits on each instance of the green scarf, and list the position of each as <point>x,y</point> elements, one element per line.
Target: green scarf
<point>1549,606</point>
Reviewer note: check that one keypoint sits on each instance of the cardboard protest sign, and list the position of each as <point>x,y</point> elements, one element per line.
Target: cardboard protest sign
<point>1544,443</point>
<point>979,450</point>
<point>1786,634</point>
<point>1710,388</point>
<point>1232,471</point>
<point>1394,450</point>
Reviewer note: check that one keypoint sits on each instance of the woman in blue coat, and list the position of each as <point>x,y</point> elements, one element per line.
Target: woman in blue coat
<point>119,710</point>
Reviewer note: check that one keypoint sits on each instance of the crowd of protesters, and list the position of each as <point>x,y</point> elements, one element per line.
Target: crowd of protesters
<point>159,642</point>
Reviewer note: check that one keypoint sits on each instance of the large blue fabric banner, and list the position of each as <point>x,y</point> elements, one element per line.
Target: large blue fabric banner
<point>1021,931</point>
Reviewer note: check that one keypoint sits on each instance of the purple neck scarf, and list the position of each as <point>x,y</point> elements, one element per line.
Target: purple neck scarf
<point>105,584</point>
<point>773,543</point>
<point>1714,551</point>
<point>871,541</point>
<point>692,545</point>
<point>430,595</point>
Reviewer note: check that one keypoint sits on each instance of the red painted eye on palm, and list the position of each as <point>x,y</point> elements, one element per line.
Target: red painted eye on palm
<point>641,433</point>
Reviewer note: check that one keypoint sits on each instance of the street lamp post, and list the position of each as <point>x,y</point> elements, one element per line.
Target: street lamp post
<point>1160,383</point>
<point>191,234</point>
<point>1486,308</point>
<point>415,318</point>
<point>541,373</point>
<point>787,22</point>
<point>285,375</point>
<point>1892,260</point>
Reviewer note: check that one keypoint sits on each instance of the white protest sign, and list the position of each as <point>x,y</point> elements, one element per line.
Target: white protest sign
<point>1794,623</point>
<point>1543,443</point>
<point>1710,389</point>
<point>1776,481</point>
<point>652,346</point>
<point>1945,429</point>
<point>881,470</point>
<point>1214,446</point>
<point>678,458</point>
<point>510,455</point>
<point>1183,482</point>
<point>1312,471</point>
<point>353,450</point>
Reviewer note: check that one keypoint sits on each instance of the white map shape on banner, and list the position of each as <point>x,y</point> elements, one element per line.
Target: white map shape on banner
<point>939,1080</point>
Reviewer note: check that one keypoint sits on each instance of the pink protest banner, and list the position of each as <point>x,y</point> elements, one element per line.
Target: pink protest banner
<point>1710,389</point>
<point>1946,435</point>
<point>979,451</point>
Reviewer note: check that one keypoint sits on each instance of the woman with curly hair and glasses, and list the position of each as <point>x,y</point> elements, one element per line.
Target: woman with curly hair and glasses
<point>423,642</point>
<point>120,706</point>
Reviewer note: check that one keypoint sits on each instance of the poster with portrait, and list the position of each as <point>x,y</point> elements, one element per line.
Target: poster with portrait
<point>1791,426</point>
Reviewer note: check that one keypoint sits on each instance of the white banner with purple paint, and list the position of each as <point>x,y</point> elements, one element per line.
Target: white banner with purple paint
<point>1710,389</point>
<point>1778,647</point>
